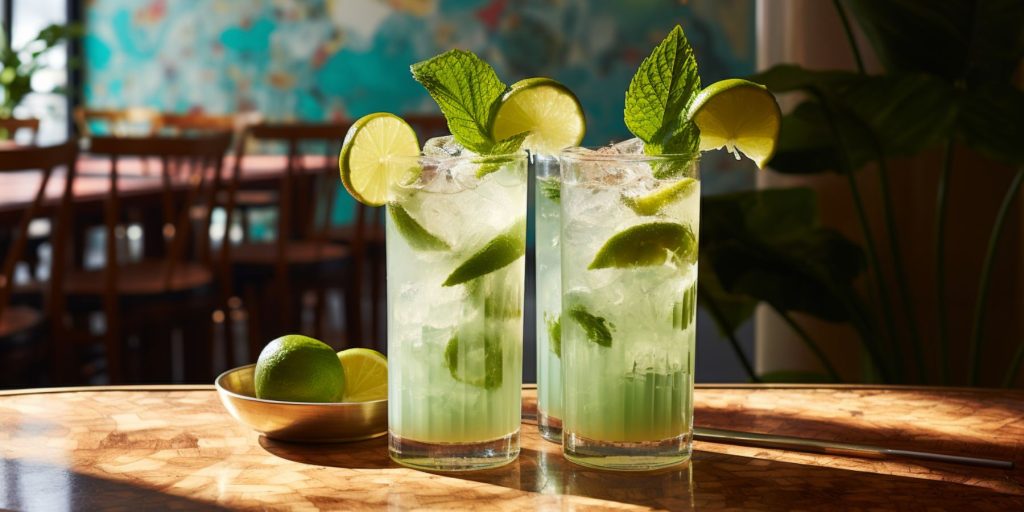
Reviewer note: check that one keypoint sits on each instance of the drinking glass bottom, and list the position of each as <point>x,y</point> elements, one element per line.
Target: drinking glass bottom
<point>550,427</point>
<point>454,456</point>
<point>626,456</point>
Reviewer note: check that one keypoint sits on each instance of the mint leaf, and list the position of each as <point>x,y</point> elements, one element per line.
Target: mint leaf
<point>551,188</point>
<point>554,324</point>
<point>659,96</point>
<point>466,88</point>
<point>506,147</point>
<point>597,329</point>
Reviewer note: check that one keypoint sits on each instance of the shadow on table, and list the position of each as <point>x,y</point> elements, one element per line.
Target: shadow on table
<point>29,485</point>
<point>369,454</point>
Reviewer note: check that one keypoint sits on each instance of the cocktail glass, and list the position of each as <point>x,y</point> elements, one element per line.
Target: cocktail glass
<point>455,269</point>
<point>629,286</point>
<point>547,213</point>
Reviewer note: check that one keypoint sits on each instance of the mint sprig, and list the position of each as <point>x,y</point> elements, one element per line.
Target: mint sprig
<point>467,89</point>
<point>659,96</point>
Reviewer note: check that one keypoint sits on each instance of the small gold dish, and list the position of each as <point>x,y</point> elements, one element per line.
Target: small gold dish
<point>299,421</point>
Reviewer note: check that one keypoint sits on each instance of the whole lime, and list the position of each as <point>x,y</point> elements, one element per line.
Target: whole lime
<point>296,368</point>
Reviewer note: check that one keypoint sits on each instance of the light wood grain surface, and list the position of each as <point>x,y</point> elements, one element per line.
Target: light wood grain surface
<point>174,447</point>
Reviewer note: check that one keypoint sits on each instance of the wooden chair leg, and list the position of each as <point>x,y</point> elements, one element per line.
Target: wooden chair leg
<point>113,344</point>
<point>319,312</point>
<point>230,313</point>
<point>243,221</point>
<point>252,306</point>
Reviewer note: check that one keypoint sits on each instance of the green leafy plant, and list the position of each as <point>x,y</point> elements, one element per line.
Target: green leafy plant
<point>18,65</point>
<point>947,82</point>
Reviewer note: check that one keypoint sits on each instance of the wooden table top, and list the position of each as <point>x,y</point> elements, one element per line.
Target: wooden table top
<point>172,447</point>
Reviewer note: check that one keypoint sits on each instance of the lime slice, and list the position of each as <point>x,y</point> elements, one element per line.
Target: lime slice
<point>652,203</point>
<point>740,116</point>
<point>366,374</point>
<point>646,245</point>
<point>367,167</point>
<point>416,235</point>
<point>500,251</point>
<point>546,109</point>
<point>474,349</point>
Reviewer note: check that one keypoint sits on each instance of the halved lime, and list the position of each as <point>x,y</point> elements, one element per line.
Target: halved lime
<point>740,116</point>
<point>652,203</point>
<point>646,245</point>
<point>498,252</point>
<point>546,109</point>
<point>415,234</point>
<point>366,374</point>
<point>367,161</point>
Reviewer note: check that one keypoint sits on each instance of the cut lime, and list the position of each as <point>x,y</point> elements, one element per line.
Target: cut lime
<point>472,350</point>
<point>415,234</point>
<point>497,253</point>
<point>646,245</point>
<point>740,116</point>
<point>652,203</point>
<point>546,109</point>
<point>366,374</point>
<point>367,162</point>
<point>597,329</point>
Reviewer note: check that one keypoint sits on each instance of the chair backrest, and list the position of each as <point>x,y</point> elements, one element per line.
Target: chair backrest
<point>427,125</point>
<point>135,121</point>
<point>44,160</point>
<point>191,174</point>
<point>304,192</point>
<point>10,127</point>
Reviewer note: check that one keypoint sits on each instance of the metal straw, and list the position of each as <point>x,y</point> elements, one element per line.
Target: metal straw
<point>799,444</point>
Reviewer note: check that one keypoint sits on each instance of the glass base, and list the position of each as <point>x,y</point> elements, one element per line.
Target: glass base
<point>626,456</point>
<point>550,427</point>
<point>454,456</point>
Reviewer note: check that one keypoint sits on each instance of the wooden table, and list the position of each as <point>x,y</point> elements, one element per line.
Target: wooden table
<point>137,186</point>
<point>173,447</point>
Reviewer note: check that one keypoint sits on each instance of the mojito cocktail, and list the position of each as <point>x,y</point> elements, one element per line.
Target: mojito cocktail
<point>549,298</point>
<point>455,269</point>
<point>629,281</point>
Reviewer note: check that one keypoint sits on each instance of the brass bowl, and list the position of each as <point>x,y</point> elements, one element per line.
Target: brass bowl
<point>299,421</point>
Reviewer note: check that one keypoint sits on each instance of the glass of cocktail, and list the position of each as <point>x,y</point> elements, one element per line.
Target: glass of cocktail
<point>548,259</point>
<point>629,284</point>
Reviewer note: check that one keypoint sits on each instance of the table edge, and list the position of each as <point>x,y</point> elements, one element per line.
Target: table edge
<point>736,386</point>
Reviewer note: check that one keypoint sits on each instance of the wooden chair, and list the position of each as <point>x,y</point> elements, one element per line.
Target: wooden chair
<point>17,319</point>
<point>129,122</point>
<point>275,275</point>
<point>427,125</point>
<point>11,126</point>
<point>173,285</point>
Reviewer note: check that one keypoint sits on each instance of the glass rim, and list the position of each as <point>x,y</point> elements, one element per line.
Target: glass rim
<point>437,160</point>
<point>589,154</point>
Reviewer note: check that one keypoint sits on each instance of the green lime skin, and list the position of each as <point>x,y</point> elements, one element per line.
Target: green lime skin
<point>295,368</point>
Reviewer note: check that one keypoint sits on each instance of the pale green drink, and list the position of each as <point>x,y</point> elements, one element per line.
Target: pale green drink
<point>455,297</point>
<point>629,275</point>
<point>549,299</point>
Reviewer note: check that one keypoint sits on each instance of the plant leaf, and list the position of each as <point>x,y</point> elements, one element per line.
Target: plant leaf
<point>991,122</point>
<point>660,94</point>
<point>466,88</point>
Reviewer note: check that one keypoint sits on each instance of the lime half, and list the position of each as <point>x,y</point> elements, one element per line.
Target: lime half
<point>647,245</point>
<point>498,252</point>
<point>366,374</point>
<point>546,109</point>
<point>367,162</point>
<point>740,116</point>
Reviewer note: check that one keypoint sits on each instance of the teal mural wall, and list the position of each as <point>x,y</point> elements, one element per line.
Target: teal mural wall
<point>328,59</point>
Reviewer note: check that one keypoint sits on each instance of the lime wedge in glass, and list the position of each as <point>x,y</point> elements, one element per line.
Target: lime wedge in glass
<point>653,203</point>
<point>416,235</point>
<point>498,252</point>
<point>740,116</point>
<point>367,161</point>
<point>546,109</point>
<point>646,245</point>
